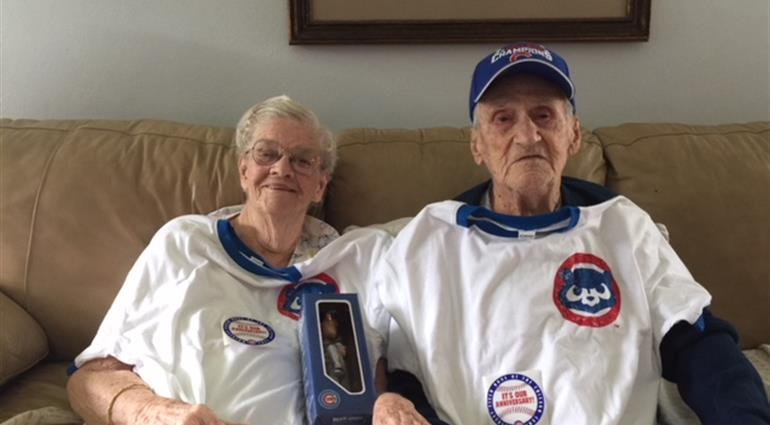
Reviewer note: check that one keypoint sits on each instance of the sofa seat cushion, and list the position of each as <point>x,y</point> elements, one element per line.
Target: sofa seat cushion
<point>42,387</point>
<point>760,358</point>
<point>710,185</point>
<point>22,341</point>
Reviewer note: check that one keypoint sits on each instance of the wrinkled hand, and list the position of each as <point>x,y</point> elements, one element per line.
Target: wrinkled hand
<point>173,412</point>
<point>392,409</point>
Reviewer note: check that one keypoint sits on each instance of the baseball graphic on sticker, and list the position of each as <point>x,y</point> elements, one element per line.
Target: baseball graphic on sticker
<point>515,399</point>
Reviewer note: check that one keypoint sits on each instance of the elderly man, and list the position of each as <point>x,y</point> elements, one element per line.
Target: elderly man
<point>543,299</point>
<point>554,145</point>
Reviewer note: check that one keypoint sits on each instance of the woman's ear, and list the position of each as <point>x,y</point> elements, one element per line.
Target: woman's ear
<point>243,167</point>
<point>318,196</point>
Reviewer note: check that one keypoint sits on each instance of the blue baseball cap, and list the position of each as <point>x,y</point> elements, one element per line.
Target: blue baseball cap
<point>521,58</point>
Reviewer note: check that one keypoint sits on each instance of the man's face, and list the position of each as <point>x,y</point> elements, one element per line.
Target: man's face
<point>524,134</point>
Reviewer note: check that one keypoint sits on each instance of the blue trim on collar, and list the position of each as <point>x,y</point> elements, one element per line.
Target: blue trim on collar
<point>248,259</point>
<point>513,226</point>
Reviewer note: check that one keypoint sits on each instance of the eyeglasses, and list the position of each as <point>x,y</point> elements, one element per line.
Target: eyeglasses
<point>303,160</point>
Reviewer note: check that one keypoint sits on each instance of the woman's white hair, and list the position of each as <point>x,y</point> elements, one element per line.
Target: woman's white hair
<point>284,107</point>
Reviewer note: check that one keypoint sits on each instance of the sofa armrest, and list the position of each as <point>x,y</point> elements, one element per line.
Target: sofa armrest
<point>22,341</point>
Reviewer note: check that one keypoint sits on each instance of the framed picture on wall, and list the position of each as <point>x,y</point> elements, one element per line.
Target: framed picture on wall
<point>466,21</point>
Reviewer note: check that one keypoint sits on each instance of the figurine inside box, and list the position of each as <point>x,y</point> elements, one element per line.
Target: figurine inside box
<point>338,378</point>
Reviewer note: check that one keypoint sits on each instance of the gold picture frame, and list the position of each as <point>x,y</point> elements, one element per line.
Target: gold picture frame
<point>464,21</point>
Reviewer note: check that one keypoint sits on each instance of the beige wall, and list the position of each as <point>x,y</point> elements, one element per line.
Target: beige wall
<point>203,61</point>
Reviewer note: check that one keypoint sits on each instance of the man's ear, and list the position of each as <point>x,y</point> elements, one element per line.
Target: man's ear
<point>476,146</point>
<point>577,137</point>
<point>318,196</point>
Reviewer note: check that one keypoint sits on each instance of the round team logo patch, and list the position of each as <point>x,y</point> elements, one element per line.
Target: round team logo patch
<point>248,331</point>
<point>290,298</point>
<point>515,399</point>
<point>585,292</point>
<point>329,399</point>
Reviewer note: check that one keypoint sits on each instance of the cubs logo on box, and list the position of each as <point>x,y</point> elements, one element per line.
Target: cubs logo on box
<point>339,387</point>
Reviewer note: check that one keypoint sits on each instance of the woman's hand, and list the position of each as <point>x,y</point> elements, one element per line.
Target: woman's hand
<point>172,412</point>
<point>392,409</point>
<point>106,392</point>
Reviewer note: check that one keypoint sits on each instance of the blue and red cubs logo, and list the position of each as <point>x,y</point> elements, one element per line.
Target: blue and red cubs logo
<point>329,399</point>
<point>290,298</point>
<point>585,292</point>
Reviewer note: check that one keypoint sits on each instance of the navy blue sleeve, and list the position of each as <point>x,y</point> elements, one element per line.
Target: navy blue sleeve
<point>713,376</point>
<point>409,387</point>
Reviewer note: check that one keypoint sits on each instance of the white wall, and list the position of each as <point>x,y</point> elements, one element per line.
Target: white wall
<point>204,61</point>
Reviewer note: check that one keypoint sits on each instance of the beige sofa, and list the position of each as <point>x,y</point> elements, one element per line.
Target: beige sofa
<point>80,199</point>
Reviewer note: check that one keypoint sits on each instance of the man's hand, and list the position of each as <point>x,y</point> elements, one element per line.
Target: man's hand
<point>392,409</point>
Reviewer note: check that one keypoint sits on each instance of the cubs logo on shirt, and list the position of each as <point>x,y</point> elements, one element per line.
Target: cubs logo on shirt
<point>290,298</point>
<point>585,292</point>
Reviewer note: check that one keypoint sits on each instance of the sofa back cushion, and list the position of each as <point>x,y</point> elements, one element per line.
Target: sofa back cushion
<point>387,174</point>
<point>710,185</point>
<point>81,199</point>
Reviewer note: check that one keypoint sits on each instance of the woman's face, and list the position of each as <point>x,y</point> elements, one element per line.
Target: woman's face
<point>281,173</point>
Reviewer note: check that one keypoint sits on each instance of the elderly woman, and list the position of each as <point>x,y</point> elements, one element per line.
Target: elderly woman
<point>203,329</point>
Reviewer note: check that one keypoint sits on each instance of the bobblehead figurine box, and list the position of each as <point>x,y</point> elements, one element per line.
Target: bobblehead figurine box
<point>339,387</point>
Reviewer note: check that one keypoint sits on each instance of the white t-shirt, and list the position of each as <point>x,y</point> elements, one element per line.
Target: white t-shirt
<point>553,319</point>
<point>204,320</point>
